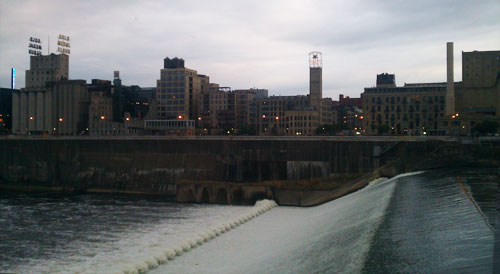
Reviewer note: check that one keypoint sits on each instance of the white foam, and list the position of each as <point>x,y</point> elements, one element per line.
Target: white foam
<point>281,238</point>
<point>149,247</point>
<point>170,254</point>
<point>178,251</point>
<point>160,257</point>
<point>130,270</point>
<point>142,268</point>
<point>186,247</point>
<point>192,243</point>
<point>151,263</point>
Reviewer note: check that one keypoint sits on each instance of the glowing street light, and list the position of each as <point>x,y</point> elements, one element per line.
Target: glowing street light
<point>128,119</point>
<point>102,117</point>
<point>61,119</point>
<point>32,118</point>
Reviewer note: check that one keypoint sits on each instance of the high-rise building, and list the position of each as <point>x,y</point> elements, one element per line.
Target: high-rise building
<point>46,68</point>
<point>178,91</point>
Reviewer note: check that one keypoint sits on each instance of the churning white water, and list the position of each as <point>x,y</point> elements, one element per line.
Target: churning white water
<point>293,240</point>
<point>342,236</point>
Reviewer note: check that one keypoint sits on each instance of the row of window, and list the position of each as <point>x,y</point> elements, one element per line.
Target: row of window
<point>170,96</point>
<point>172,90</point>
<point>165,124</point>
<point>173,84</point>
<point>174,78</point>
<point>405,116</point>
<point>410,108</point>
<point>173,108</point>
<point>298,124</point>
<point>398,99</point>
<point>299,118</point>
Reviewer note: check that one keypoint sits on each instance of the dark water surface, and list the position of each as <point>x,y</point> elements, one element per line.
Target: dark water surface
<point>56,233</point>
<point>432,227</point>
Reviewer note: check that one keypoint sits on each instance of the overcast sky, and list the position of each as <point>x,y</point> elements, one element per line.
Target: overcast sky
<point>243,44</point>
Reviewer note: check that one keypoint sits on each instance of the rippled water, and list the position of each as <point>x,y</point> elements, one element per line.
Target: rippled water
<point>94,233</point>
<point>431,226</point>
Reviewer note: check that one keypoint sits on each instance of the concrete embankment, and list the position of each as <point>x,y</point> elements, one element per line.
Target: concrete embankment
<point>301,171</point>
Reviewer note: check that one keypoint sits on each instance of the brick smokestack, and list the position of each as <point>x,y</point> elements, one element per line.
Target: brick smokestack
<point>450,85</point>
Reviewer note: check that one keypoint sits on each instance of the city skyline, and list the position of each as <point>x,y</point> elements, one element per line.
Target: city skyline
<point>246,44</point>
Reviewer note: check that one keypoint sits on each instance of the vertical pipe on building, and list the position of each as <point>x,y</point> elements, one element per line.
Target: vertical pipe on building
<point>450,86</point>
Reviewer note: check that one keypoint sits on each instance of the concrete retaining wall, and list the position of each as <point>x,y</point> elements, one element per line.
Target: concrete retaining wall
<point>182,167</point>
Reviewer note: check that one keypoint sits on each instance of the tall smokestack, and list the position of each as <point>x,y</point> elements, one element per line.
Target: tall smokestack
<point>450,85</point>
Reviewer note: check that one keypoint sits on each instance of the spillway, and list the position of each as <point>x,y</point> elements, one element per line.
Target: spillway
<point>411,223</point>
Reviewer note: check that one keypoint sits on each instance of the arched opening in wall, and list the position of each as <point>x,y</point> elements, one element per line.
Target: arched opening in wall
<point>221,196</point>
<point>237,197</point>
<point>258,196</point>
<point>190,196</point>
<point>204,196</point>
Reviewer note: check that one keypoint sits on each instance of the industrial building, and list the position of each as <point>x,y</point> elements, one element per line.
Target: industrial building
<point>59,108</point>
<point>47,68</point>
<point>446,108</point>
<point>408,110</point>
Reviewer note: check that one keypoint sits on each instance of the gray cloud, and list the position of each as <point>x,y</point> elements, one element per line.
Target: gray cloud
<point>252,44</point>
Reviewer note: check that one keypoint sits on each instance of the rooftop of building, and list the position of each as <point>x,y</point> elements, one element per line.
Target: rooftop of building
<point>437,84</point>
<point>347,101</point>
<point>482,52</point>
<point>423,87</point>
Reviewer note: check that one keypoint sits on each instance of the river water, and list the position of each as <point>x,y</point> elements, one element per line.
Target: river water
<point>415,223</point>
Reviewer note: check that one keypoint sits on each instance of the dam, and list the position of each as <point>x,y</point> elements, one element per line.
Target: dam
<point>424,221</point>
<point>226,170</point>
